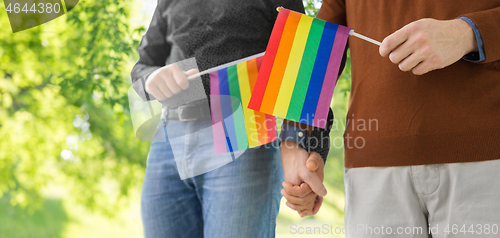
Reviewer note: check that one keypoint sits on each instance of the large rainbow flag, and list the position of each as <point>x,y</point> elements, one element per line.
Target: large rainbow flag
<point>300,68</point>
<point>235,127</point>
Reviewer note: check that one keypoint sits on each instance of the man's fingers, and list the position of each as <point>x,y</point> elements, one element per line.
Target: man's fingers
<point>155,91</point>
<point>402,52</point>
<point>171,83</point>
<point>314,210</point>
<point>317,205</point>
<point>297,191</point>
<point>300,208</point>
<point>161,84</point>
<point>167,81</point>
<point>192,72</point>
<point>410,62</point>
<point>422,68</point>
<point>313,163</point>
<point>287,186</point>
<point>307,212</point>
<point>179,76</point>
<point>320,164</point>
<point>299,200</point>
<point>391,42</point>
<point>316,184</point>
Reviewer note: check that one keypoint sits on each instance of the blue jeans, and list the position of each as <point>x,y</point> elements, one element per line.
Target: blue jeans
<point>240,199</point>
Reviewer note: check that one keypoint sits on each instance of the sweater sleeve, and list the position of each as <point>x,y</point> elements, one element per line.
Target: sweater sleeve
<point>333,11</point>
<point>488,24</point>
<point>153,52</point>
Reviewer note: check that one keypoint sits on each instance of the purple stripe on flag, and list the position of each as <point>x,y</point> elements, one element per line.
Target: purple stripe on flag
<point>217,121</point>
<point>331,76</point>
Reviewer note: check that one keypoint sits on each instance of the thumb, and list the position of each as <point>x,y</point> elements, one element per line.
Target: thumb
<point>313,163</point>
<point>192,72</point>
<point>317,205</point>
<point>316,184</point>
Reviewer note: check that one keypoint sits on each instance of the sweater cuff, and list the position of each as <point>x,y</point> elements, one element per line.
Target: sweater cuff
<point>475,57</point>
<point>488,24</point>
<point>294,133</point>
<point>319,140</point>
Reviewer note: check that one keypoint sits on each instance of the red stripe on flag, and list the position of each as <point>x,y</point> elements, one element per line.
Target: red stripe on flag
<point>267,63</point>
<point>281,61</point>
<point>259,62</point>
<point>271,126</point>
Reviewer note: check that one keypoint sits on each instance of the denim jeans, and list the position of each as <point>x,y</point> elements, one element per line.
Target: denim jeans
<point>240,199</point>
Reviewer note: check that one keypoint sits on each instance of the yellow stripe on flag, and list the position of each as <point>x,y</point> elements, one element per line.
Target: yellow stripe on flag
<point>244,81</point>
<point>292,69</point>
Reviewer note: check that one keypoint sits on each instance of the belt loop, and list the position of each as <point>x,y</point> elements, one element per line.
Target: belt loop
<point>165,116</point>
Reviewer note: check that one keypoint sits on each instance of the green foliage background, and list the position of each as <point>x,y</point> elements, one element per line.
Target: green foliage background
<point>63,87</point>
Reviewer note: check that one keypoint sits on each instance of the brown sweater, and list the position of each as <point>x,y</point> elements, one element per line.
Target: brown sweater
<point>445,116</point>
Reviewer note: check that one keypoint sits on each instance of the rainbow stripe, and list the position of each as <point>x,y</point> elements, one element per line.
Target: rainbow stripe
<point>235,127</point>
<point>300,68</point>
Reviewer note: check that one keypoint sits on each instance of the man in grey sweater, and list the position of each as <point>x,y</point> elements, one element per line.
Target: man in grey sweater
<point>241,198</point>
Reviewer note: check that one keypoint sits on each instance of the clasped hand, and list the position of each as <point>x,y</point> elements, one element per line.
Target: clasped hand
<point>167,81</point>
<point>303,187</point>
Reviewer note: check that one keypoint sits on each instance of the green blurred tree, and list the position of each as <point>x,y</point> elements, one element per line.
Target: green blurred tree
<point>64,109</point>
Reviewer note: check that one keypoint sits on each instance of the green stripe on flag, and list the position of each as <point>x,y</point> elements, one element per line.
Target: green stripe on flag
<point>236,103</point>
<point>305,71</point>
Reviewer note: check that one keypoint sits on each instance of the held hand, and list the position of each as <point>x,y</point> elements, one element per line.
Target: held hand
<point>301,198</point>
<point>294,159</point>
<point>164,82</point>
<point>429,44</point>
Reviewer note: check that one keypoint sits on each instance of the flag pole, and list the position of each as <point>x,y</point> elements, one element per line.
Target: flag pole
<point>214,69</point>
<point>352,33</point>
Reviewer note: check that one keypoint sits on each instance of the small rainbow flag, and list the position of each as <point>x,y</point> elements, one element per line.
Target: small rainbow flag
<point>300,68</point>
<point>235,127</point>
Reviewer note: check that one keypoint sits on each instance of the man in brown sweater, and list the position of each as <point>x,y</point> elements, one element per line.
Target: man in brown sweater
<point>431,161</point>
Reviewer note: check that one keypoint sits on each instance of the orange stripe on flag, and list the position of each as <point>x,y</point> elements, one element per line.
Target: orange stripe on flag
<point>279,67</point>
<point>260,118</point>
<point>253,73</point>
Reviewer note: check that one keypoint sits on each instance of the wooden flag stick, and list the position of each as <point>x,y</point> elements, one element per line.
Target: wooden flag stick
<point>217,68</point>
<point>352,33</point>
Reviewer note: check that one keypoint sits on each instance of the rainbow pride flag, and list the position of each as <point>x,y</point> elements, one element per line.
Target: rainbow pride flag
<point>300,68</point>
<point>235,127</point>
